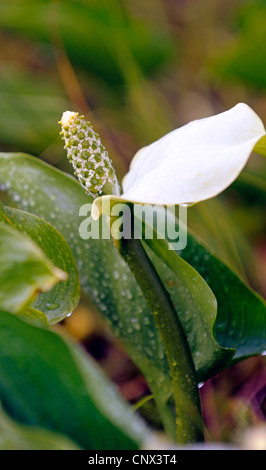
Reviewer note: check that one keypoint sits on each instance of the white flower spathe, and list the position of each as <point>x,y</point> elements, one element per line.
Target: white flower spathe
<point>193,163</point>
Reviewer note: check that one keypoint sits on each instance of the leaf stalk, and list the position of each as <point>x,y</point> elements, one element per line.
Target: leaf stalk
<point>189,427</point>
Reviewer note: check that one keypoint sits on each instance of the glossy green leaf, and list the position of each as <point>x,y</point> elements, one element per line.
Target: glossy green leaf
<point>241,312</point>
<point>16,436</point>
<point>241,315</point>
<point>25,270</point>
<point>64,296</point>
<point>45,381</point>
<point>57,198</point>
<point>195,305</point>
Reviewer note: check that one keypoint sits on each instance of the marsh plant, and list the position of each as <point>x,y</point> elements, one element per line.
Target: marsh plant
<point>180,312</point>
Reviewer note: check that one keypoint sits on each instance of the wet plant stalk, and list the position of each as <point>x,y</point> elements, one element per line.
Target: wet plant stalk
<point>189,426</point>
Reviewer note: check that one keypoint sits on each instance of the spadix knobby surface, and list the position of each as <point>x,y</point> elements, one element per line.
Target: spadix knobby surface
<point>195,162</point>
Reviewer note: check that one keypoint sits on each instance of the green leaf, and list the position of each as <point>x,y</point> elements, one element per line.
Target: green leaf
<point>195,305</point>
<point>16,436</point>
<point>25,270</point>
<point>241,314</point>
<point>47,382</point>
<point>57,197</point>
<point>64,296</point>
<point>107,280</point>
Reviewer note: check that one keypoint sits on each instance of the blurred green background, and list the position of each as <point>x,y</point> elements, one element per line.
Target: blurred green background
<point>138,69</point>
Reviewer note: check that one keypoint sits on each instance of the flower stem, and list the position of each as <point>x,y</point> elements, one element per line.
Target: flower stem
<point>189,426</point>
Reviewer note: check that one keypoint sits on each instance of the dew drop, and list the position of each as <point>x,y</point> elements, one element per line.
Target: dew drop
<point>52,306</point>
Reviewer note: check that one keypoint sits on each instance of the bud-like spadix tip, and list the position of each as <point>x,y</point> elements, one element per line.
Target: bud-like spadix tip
<point>89,158</point>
